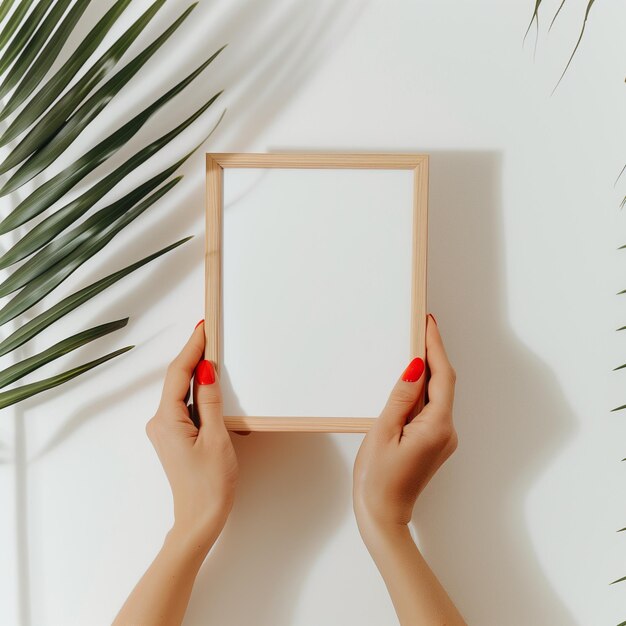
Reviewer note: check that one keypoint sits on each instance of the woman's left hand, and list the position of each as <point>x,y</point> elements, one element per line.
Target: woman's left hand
<point>199,461</point>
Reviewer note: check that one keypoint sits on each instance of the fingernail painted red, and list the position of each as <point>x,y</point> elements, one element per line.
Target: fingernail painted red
<point>414,371</point>
<point>205,374</point>
<point>198,324</point>
<point>434,320</point>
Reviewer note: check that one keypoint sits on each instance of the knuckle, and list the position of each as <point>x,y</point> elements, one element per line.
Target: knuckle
<point>403,396</point>
<point>154,427</point>
<point>452,375</point>
<point>453,443</point>
<point>209,400</point>
<point>151,428</point>
<point>443,435</point>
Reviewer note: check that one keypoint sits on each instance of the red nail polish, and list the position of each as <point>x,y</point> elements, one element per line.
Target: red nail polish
<point>434,320</point>
<point>198,324</point>
<point>414,371</point>
<point>205,374</point>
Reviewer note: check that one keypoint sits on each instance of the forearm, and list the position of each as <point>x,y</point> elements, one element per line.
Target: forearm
<point>418,597</point>
<point>160,598</point>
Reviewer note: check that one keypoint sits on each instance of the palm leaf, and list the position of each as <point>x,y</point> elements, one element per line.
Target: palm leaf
<point>53,88</point>
<point>50,227</point>
<point>534,18</point>
<point>23,368</point>
<point>580,36</point>
<point>51,113</point>
<point>619,580</point>
<point>5,7</point>
<point>13,22</point>
<point>7,398</point>
<point>23,36</point>
<point>556,15</point>
<point>60,247</point>
<point>39,323</point>
<point>41,286</point>
<point>54,124</point>
<point>46,57</point>
<point>50,191</point>
<point>35,44</point>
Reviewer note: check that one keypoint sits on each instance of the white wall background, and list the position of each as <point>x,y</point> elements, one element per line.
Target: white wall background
<point>520,524</point>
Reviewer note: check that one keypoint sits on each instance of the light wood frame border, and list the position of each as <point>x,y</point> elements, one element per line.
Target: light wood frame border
<point>215,165</point>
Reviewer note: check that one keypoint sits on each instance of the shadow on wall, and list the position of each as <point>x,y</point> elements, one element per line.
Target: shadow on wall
<point>294,491</point>
<point>510,413</point>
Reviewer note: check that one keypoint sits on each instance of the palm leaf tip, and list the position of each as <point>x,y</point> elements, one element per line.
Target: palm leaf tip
<point>23,368</point>
<point>580,37</point>
<point>52,265</point>
<point>619,580</point>
<point>7,398</point>
<point>534,17</point>
<point>619,408</point>
<point>39,323</point>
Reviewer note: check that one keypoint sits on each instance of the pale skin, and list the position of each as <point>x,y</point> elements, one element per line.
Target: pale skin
<point>396,460</point>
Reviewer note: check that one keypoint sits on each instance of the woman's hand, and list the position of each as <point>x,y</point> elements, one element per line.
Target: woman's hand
<point>199,461</point>
<point>200,464</point>
<point>398,457</point>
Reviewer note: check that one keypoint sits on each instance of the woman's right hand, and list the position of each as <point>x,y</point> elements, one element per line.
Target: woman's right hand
<point>398,457</point>
<point>395,462</point>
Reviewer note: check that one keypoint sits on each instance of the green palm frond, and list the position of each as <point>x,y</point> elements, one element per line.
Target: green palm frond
<point>24,34</point>
<point>48,115</point>
<point>7,398</point>
<point>45,56</point>
<point>51,90</point>
<point>14,21</point>
<point>556,15</point>
<point>5,7</point>
<point>52,190</point>
<point>56,123</point>
<point>25,367</point>
<point>34,44</point>
<point>39,287</point>
<point>534,18</point>
<point>39,323</point>
<point>580,37</point>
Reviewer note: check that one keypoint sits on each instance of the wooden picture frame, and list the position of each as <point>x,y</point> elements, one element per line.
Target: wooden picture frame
<point>215,165</point>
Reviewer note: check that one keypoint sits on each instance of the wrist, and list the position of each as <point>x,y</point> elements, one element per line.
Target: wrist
<point>377,531</point>
<point>197,535</point>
